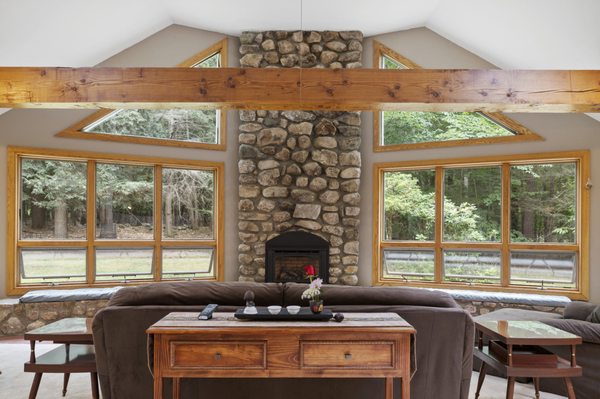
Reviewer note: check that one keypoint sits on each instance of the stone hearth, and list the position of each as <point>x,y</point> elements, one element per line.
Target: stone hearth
<point>300,170</point>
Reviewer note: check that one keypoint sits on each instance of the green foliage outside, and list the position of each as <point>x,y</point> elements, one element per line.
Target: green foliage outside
<point>198,126</point>
<point>124,201</point>
<point>471,205</point>
<point>543,209</point>
<point>544,203</point>
<point>402,127</point>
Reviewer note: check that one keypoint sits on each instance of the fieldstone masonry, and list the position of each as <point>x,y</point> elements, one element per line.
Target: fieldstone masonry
<point>477,308</point>
<point>17,318</point>
<point>300,170</point>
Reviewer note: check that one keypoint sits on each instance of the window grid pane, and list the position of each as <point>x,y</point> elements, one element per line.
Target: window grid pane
<point>187,204</point>
<point>544,202</point>
<point>53,200</point>
<point>544,269</point>
<point>409,264</point>
<point>187,263</point>
<point>472,204</point>
<point>52,265</point>
<point>124,264</point>
<point>124,202</point>
<point>409,205</point>
<point>482,267</point>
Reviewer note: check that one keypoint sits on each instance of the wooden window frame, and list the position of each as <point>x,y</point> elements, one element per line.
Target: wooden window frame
<point>76,131</point>
<point>15,154</point>
<point>521,133</point>
<point>581,247</point>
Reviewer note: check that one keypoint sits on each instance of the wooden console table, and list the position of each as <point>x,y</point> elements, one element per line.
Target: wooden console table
<point>520,349</point>
<point>75,355</point>
<point>364,345</point>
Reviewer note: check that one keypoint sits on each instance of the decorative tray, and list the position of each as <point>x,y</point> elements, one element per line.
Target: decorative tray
<point>303,315</point>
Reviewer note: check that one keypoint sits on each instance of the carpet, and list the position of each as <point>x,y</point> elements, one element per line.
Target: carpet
<point>15,384</point>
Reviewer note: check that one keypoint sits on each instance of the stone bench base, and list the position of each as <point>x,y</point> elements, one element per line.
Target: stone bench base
<point>483,302</point>
<point>17,318</point>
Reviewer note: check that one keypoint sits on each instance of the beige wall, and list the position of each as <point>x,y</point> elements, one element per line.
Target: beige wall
<point>36,128</point>
<point>174,44</point>
<point>561,132</point>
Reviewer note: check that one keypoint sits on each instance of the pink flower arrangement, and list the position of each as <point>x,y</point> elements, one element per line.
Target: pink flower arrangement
<point>313,292</point>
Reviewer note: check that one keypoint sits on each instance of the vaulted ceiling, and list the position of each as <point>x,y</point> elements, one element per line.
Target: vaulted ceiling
<point>513,34</point>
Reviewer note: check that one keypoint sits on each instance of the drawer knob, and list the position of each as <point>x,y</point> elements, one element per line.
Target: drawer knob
<point>348,356</point>
<point>218,356</point>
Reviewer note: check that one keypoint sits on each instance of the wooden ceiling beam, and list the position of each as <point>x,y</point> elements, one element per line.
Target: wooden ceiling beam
<point>307,89</point>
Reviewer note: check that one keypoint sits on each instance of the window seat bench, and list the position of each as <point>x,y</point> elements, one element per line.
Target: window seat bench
<point>38,308</point>
<point>483,302</point>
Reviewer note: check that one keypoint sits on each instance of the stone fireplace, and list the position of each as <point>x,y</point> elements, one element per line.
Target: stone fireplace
<point>300,170</point>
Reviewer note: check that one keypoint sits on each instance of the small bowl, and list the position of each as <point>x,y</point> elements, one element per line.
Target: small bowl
<point>274,309</point>
<point>293,309</point>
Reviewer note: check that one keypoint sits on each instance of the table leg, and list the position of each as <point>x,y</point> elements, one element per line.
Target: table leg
<point>176,385</point>
<point>389,388</point>
<point>35,385</point>
<point>65,383</point>
<point>480,379</point>
<point>158,386</point>
<point>570,390</point>
<point>405,386</point>
<point>94,377</point>
<point>510,389</point>
<point>32,351</point>
<point>536,384</point>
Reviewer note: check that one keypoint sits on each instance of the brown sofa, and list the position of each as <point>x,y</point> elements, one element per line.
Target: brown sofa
<point>444,339</point>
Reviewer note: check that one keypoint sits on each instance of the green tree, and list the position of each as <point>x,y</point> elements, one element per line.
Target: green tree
<point>123,189</point>
<point>409,208</point>
<point>55,186</point>
<point>401,127</point>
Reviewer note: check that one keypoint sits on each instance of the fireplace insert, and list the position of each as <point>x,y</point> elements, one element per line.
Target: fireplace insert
<point>289,253</point>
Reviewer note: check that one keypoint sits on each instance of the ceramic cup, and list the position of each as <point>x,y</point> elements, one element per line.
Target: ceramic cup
<point>274,309</point>
<point>293,309</point>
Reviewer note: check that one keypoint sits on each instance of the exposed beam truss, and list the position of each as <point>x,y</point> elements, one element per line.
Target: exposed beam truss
<point>308,89</point>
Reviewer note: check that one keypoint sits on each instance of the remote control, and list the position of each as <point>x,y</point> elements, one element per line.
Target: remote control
<point>207,312</point>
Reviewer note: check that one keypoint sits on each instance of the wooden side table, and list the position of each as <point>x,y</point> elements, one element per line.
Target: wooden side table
<point>75,355</point>
<point>515,348</point>
<point>364,345</point>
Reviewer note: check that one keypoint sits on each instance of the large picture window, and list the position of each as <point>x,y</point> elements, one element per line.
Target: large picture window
<point>408,130</point>
<point>515,223</point>
<point>95,219</point>
<point>172,127</point>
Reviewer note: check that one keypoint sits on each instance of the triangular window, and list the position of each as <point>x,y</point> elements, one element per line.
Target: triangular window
<point>398,130</point>
<point>179,127</point>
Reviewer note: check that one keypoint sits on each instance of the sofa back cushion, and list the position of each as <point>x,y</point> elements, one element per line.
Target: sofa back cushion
<point>578,310</point>
<point>346,295</point>
<point>589,332</point>
<point>594,317</point>
<point>197,293</point>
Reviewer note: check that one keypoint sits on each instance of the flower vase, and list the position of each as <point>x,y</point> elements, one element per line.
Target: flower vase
<point>316,306</point>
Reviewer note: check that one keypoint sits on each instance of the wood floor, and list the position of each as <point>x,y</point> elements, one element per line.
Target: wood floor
<point>14,383</point>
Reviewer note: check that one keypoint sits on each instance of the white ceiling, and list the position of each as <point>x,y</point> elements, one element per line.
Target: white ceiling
<point>525,34</point>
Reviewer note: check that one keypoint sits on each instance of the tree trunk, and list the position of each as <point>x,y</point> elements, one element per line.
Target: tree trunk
<point>169,212</point>
<point>60,221</point>
<point>529,214</point>
<point>107,224</point>
<point>194,214</point>
<point>38,215</point>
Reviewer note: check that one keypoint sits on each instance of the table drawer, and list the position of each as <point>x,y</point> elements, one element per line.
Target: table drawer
<point>347,354</point>
<point>218,354</point>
